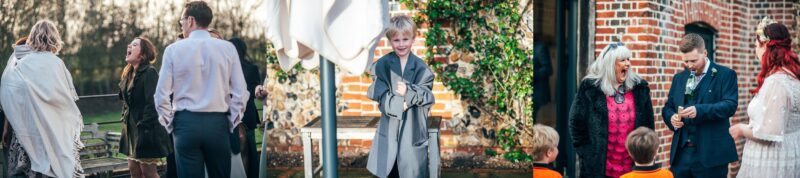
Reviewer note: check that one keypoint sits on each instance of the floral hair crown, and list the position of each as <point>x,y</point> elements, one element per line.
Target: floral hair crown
<point>760,29</point>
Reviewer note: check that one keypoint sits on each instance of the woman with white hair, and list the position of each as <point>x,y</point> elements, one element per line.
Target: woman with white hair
<point>38,98</point>
<point>612,101</point>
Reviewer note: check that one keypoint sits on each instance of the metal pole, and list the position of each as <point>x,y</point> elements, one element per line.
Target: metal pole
<point>330,162</point>
<point>566,77</point>
<point>262,163</point>
<point>571,74</point>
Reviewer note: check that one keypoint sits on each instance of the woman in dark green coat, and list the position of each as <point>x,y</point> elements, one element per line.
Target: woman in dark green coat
<point>144,140</point>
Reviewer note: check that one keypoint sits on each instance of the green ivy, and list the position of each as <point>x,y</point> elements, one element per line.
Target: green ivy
<point>503,72</point>
<point>506,138</point>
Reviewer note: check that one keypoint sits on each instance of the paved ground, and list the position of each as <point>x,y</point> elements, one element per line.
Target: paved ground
<point>363,173</point>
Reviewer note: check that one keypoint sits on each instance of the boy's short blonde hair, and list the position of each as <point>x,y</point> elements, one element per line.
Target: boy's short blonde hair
<point>401,24</point>
<point>545,138</point>
<point>44,36</point>
<point>642,144</point>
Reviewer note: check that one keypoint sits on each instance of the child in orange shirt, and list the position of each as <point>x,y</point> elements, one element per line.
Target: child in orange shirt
<point>642,145</point>
<point>545,150</point>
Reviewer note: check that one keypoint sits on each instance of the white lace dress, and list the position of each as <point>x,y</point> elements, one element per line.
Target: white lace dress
<point>775,120</point>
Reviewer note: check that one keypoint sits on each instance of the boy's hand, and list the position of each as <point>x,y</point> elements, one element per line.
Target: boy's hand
<point>401,88</point>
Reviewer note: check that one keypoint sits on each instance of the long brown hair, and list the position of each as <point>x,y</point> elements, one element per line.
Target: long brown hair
<point>22,41</point>
<point>148,53</point>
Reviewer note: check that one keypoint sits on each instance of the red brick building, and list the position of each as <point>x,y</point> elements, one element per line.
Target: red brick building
<point>652,29</point>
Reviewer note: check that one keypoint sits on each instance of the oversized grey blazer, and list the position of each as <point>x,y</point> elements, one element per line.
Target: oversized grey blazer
<point>402,135</point>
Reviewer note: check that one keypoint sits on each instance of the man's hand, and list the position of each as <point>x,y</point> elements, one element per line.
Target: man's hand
<point>676,121</point>
<point>260,92</point>
<point>690,112</point>
<point>163,121</point>
<point>242,130</point>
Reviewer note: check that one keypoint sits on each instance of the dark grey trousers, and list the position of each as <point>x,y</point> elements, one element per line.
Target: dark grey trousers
<point>202,141</point>
<point>685,165</point>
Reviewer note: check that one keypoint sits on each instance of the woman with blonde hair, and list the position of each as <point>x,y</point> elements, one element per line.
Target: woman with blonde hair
<point>38,98</point>
<point>612,101</point>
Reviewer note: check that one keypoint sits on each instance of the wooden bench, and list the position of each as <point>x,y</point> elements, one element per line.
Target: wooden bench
<point>100,147</point>
<point>361,127</point>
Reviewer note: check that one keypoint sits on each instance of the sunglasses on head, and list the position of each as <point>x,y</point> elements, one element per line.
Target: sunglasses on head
<point>612,46</point>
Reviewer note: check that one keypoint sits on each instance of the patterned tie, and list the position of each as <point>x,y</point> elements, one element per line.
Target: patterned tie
<point>690,84</point>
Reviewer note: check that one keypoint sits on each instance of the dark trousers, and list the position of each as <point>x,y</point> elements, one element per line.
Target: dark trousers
<point>686,165</point>
<point>197,144</point>
<point>251,154</point>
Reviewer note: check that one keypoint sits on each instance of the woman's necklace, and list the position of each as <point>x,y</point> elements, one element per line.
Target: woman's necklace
<point>619,95</point>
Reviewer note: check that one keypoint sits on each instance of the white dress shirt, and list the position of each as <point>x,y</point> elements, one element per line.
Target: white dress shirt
<point>705,70</point>
<point>204,75</point>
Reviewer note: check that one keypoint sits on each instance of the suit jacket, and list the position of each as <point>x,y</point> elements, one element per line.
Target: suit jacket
<point>717,100</point>
<point>402,134</point>
<point>588,122</point>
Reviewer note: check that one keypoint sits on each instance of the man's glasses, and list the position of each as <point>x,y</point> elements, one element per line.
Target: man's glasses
<point>180,21</point>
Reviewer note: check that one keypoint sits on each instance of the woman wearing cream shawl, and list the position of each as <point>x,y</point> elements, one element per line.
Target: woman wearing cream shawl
<point>38,98</point>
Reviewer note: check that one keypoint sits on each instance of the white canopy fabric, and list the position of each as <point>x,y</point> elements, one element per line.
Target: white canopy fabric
<point>345,32</point>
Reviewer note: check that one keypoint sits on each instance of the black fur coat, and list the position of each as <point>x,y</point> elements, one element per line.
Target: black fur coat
<point>588,123</point>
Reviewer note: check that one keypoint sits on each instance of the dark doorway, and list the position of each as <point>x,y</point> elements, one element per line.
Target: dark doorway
<point>708,33</point>
<point>564,27</point>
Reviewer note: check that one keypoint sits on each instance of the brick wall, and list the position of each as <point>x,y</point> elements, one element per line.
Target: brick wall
<point>653,29</point>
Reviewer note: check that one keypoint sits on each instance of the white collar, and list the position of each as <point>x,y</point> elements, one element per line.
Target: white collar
<point>200,33</point>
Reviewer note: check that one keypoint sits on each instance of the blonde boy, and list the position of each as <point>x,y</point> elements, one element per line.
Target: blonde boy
<point>545,150</point>
<point>402,87</point>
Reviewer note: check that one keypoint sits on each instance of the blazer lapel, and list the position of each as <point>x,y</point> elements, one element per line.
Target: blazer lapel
<point>395,75</point>
<point>410,74</point>
<point>681,91</point>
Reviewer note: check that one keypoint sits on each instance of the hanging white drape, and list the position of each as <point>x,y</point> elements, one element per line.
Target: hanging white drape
<point>345,32</point>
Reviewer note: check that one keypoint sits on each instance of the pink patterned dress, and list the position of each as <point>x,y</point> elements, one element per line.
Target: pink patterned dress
<point>621,119</point>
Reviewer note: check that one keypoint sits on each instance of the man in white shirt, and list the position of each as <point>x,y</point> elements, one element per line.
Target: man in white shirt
<point>204,77</point>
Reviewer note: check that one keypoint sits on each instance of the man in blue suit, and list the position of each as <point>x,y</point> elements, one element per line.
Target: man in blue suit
<point>701,100</point>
